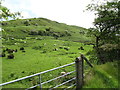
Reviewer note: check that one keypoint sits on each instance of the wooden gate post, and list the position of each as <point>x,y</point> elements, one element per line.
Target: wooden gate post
<point>79,72</point>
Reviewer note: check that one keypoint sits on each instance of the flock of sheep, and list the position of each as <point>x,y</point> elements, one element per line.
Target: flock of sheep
<point>9,52</point>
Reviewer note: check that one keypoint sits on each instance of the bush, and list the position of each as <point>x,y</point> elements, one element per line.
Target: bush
<point>33,32</point>
<point>37,47</point>
<point>27,23</point>
<point>10,56</point>
<point>22,48</point>
<point>2,55</point>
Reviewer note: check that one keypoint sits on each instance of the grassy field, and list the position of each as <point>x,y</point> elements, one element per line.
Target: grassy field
<point>40,55</point>
<point>47,44</point>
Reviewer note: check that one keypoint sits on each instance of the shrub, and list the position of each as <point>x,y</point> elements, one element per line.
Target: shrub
<point>10,56</point>
<point>37,47</point>
<point>66,48</point>
<point>23,51</point>
<point>36,24</point>
<point>33,32</point>
<point>56,35</point>
<point>81,48</point>
<point>12,74</point>
<point>47,29</point>
<point>67,33</point>
<point>22,48</point>
<point>27,23</point>
<point>2,55</point>
<point>61,47</point>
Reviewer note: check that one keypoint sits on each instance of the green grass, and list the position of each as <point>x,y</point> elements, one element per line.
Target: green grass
<point>17,29</point>
<point>43,52</point>
<point>37,59</point>
<point>102,76</point>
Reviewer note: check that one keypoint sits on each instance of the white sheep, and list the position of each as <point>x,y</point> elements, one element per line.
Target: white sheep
<point>63,73</point>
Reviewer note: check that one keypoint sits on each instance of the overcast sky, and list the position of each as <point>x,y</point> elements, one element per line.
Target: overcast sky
<point>64,11</point>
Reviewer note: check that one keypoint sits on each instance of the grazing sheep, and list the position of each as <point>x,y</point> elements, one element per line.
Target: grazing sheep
<point>10,50</point>
<point>10,56</point>
<point>55,49</point>
<point>63,73</point>
<point>12,38</point>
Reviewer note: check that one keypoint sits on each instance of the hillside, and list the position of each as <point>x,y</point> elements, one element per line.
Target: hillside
<point>33,45</point>
<point>23,28</point>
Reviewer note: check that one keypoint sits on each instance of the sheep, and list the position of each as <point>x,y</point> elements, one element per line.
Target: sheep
<point>10,50</point>
<point>63,73</point>
<point>55,49</point>
<point>12,38</point>
<point>15,50</point>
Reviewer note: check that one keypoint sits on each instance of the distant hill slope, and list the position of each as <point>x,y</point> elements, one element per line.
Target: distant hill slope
<point>23,28</point>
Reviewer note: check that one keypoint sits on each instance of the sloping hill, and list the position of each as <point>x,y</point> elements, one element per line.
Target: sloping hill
<point>48,44</point>
<point>23,28</point>
<point>33,45</point>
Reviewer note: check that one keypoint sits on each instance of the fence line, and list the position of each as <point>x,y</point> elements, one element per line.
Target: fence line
<point>65,82</point>
<point>79,63</point>
<point>36,74</point>
<point>39,74</point>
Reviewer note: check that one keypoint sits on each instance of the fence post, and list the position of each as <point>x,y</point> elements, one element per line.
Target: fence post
<point>40,82</point>
<point>79,72</point>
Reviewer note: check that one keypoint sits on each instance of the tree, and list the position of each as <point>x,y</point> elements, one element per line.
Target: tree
<point>107,23</point>
<point>5,13</point>
<point>107,29</point>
